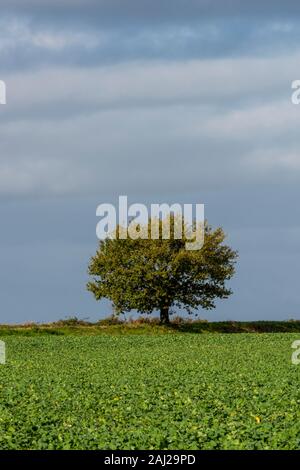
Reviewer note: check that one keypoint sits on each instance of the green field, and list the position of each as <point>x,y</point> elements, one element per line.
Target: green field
<point>168,391</point>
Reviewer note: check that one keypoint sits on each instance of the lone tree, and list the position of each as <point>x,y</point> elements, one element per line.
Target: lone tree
<point>147,275</point>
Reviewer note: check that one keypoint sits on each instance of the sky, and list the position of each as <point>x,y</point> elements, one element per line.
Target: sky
<point>162,101</point>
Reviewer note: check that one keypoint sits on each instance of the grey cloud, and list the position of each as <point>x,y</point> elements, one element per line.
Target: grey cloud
<point>150,150</point>
<point>128,125</point>
<point>30,42</point>
<point>113,10</point>
<point>62,92</point>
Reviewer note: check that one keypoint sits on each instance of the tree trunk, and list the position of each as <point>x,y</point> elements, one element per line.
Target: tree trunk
<point>164,315</point>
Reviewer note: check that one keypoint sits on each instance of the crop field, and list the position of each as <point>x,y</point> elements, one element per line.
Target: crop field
<point>170,391</point>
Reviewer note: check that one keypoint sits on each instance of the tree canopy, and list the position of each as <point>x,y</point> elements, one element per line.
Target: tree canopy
<point>148,275</point>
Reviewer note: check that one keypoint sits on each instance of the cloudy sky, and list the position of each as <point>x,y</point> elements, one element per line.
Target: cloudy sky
<point>164,101</point>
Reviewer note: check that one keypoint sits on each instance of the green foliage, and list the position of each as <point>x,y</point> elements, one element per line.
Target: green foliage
<point>150,326</point>
<point>180,391</point>
<point>147,275</point>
